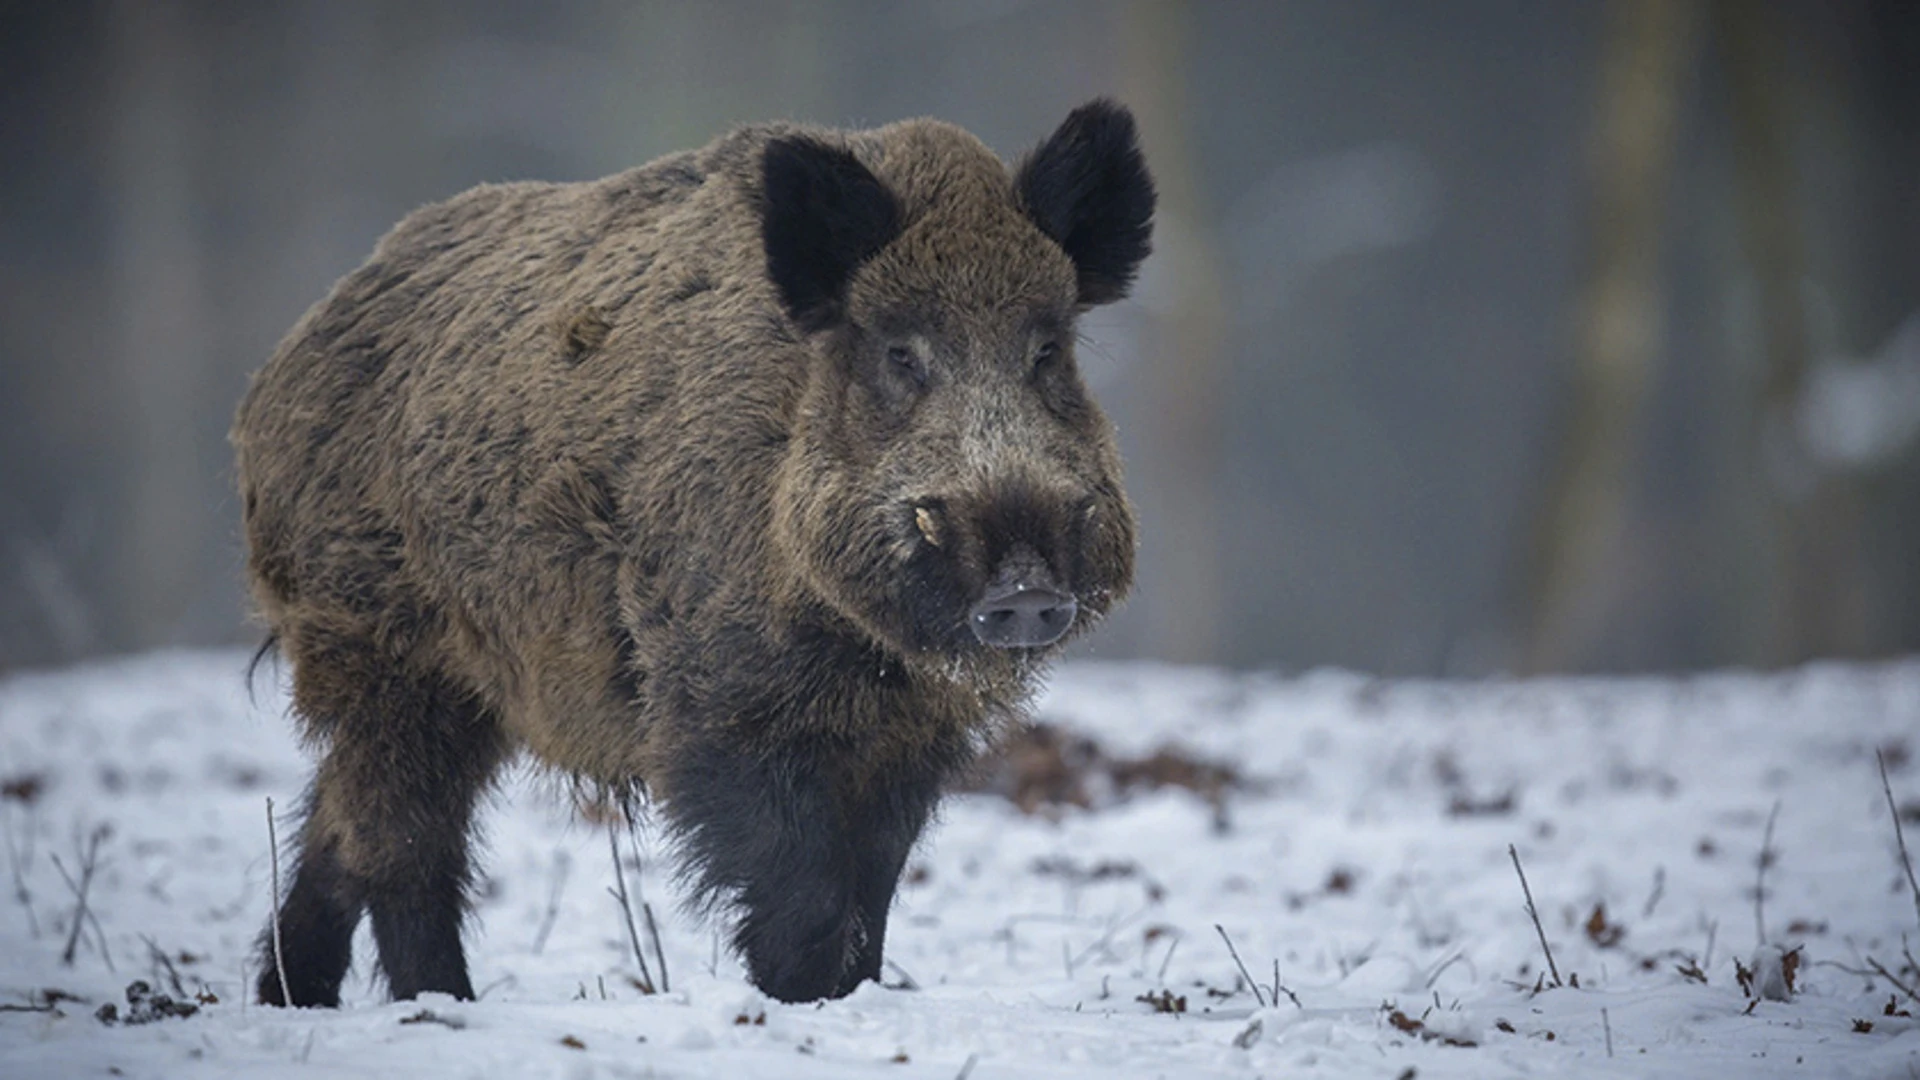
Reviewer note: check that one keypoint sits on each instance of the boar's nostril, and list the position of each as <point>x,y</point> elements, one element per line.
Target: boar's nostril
<point>1017,616</point>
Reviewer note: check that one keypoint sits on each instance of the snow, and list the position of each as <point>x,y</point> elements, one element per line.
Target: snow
<point>1343,872</point>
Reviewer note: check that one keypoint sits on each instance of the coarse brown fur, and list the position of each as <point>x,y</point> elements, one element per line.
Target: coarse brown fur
<point>687,481</point>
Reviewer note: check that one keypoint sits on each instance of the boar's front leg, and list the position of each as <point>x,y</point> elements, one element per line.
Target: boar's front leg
<point>808,840</point>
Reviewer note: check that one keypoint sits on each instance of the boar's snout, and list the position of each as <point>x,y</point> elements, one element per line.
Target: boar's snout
<point>1023,607</point>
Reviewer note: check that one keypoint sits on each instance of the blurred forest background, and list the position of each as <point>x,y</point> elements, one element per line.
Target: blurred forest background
<point>1480,336</point>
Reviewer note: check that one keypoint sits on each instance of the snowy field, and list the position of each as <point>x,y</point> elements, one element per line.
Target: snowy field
<point>1358,857</point>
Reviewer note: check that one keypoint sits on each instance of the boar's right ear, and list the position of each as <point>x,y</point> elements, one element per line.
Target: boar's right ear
<point>824,215</point>
<point>1087,187</point>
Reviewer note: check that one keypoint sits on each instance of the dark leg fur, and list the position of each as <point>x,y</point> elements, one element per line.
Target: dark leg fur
<point>417,929</point>
<point>883,845</point>
<point>809,858</point>
<point>387,829</point>
<point>316,930</point>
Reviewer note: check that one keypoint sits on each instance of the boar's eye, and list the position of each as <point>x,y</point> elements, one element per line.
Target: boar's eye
<point>905,362</point>
<point>1044,356</point>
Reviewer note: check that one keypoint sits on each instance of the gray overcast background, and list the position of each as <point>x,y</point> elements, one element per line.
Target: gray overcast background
<point>1479,336</point>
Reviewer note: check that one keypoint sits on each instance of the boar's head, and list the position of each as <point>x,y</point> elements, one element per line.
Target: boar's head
<point>951,487</point>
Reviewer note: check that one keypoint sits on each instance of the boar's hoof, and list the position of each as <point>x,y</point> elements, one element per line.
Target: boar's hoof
<point>1021,616</point>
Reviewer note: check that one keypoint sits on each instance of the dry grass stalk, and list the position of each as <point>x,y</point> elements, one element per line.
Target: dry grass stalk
<point>1899,836</point>
<point>1258,996</point>
<point>279,957</point>
<point>82,914</point>
<point>1534,914</point>
<point>619,893</point>
<point>1764,860</point>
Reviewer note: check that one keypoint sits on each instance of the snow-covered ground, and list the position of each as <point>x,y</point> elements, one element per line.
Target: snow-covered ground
<point>1363,862</point>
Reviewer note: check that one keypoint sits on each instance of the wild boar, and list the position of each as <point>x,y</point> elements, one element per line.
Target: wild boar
<point>756,484</point>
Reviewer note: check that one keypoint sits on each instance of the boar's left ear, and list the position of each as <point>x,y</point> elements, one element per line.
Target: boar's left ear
<point>1087,187</point>
<point>824,215</point>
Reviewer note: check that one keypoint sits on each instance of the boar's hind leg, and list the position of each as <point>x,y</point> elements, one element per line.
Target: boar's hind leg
<point>316,929</point>
<point>809,859</point>
<point>392,806</point>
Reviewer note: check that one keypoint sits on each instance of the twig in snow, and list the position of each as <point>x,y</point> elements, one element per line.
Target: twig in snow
<point>1889,976</point>
<point>659,955</point>
<point>279,954</point>
<point>645,982</point>
<point>1900,837</point>
<point>1457,957</point>
<point>907,981</point>
<point>1608,1025</point>
<point>162,960</point>
<point>15,862</point>
<point>82,914</point>
<point>966,1070</point>
<point>1279,989</point>
<point>1534,914</point>
<point>646,909</point>
<point>1659,890</point>
<point>1258,997</point>
<point>1168,959</point>
<point>1105,940</point>
<point>561,862</point>
<point>1760,879</point>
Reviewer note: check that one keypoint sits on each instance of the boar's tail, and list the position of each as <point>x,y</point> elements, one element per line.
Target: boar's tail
<point>269,647</point>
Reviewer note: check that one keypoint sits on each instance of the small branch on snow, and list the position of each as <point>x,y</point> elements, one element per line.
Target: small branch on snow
<point>1890,977</point>
<point>1258,997</point>
<point>279,954</point>
<point>1104,943</point>
<point>561,862</point>
<point>1279,989</point>
<point>160,960</point>
<point>1913,887</point>
<point>16,861</point>
<point>626,908</point>
<point>1607,1024</point>
<point>504,980</point>
<point>82,914</point>
<point>646,909</point>
<point>1659,890</point>
<point>1764,860</point>
<point>907,981</point>
<point>1899,836</point>
<point>1534,914</point>
<point>659,955</point>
